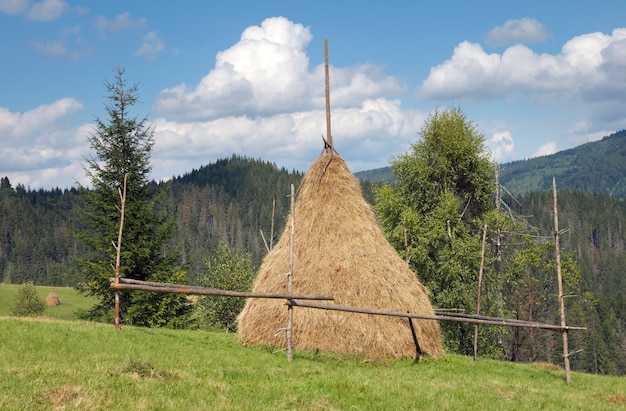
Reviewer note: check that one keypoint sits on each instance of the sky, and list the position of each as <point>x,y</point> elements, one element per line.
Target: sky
<point>247,78</point>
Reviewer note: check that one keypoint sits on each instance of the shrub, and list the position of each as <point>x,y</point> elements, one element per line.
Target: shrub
<point>27,302</point>
<point>228,269</point>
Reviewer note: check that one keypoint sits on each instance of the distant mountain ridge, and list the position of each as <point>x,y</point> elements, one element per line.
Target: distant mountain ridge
<point>598,167</point>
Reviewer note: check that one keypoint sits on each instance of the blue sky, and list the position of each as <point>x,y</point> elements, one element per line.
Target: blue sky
<point>217,78</point>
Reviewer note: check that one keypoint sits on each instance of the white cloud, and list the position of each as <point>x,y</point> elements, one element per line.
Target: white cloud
<point>289,139</point>
<point>20,125</point>
<point>262,99</point>
<point>590,70</point>
<point>56,49</point>
<point>151,46</point>
<point>47,10</point>
<point>12,7</point>
<point>581,133</point>
<point>32,142</point>
<point>501,145</point>
<point>516,31</point>
<point>266,73</point>
<point>122,21</point>
<point>546,149</point>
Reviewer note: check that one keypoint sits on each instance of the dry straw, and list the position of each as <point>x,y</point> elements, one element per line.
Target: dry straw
<point>339,250</point>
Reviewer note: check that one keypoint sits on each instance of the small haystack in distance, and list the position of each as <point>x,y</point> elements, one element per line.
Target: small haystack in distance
<point>340,250</point>
<point>52,300</point>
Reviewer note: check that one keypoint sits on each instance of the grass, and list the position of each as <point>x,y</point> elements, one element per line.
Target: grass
<point>71,300</point>
<point>51,364</point>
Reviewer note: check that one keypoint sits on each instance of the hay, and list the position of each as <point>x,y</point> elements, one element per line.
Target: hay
<point>339,250</point>
<point>52,299</point>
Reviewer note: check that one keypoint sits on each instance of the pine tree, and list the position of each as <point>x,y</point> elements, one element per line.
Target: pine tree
<point>122,146</point>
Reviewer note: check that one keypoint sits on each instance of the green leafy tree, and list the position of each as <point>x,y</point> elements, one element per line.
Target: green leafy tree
<point>228,269</point>
<point>27,302</point>
<point>122,145</point>
<point>443,190</point>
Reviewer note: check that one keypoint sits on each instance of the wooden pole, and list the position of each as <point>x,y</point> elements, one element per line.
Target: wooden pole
<point>329,136</point>
<point>290,277</point>
<point>480,285</point>
<point>118,249</point>
<point>436,317</point>
<point>418,349</point>
<point>557,251</point>
<point>130,284</point>
<point>272,226</point>
<point>406,241</point>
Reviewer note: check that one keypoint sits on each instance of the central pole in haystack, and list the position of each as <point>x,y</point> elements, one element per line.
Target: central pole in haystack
<point>557,252</point>
<point>290,277</point>
<point>329,136</point>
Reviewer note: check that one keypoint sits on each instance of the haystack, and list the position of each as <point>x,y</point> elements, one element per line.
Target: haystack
<point>52,299</point>
<point>339,250</point>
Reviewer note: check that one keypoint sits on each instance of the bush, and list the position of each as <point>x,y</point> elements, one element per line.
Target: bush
<point>228,269</point>
<point>27,302</point>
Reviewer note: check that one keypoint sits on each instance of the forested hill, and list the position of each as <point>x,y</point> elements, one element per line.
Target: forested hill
<point>239,201</point>
<point>598,167</point>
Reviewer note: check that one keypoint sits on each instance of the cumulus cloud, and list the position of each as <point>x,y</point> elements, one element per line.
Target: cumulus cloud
<point>32,140</point>
<point>590,68</point>
<point>546,149</point>
<point>501,145</point>
<point>517,31</point>
<point>19,125</point>
<point>122,21</point>
<point>267,72</point>
<point>152,45</point>
<point>291,138</point>
<point>263,97</point>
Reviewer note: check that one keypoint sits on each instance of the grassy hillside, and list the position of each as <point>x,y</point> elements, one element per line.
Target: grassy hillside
<point>71,301</point>
<point>87,366</point>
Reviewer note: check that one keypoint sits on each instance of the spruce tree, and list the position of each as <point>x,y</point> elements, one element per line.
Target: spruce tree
<point>122,146</point>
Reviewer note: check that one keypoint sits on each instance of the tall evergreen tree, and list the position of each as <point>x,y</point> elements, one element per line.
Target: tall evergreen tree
<point>122,146</point>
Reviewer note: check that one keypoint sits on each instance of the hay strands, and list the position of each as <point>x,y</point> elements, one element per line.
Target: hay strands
<point>466,318</point>
<point>130,284</point>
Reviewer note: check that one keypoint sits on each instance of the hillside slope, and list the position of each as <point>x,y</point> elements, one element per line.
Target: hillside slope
<point>46,365</point>
<point>593,168</point>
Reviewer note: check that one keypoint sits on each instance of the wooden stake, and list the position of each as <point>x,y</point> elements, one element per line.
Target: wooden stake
<point>118,249</point>
<point>418,349</point>
<point>290,277</point>
<point>557,251</point>
<point>480,284</point>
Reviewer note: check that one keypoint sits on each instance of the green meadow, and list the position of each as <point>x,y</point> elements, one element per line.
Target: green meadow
<point>72,302</point>
<point>71,365</point>
<point>55,363</point>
